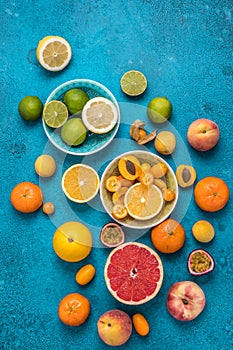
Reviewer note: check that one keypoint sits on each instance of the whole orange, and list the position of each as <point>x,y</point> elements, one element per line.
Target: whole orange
<point>168,237</point>
<point>211,194</point>
<point>72,241</point>
<point>74,309</point>
<point>26,197</point>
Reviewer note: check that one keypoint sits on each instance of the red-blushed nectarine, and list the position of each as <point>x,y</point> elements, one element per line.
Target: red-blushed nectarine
<point>203,134</point>
<point>114,327</point>
<point>185,300</point>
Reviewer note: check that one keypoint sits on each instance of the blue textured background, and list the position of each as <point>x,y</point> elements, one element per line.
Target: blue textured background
<point>185,50</point>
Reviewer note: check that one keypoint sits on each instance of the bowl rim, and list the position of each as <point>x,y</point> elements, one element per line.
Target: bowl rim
<point>146,226</point>
<point>95,83</point>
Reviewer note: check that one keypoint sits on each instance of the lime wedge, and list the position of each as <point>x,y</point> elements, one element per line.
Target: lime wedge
<point>55,114</point>
<point>133,83</point>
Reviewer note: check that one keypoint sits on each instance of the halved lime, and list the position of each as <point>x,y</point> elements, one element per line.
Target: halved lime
<point>133,83</point>
<point>55,114</point>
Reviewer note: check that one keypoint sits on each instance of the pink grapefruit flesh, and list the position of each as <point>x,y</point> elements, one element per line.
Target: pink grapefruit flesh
<point>133,273</point>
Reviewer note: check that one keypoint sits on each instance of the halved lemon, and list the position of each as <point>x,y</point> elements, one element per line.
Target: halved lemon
<point>133,83</point>
<point>53,53</point>
<point>143,202</point>
<point>80,183</point>
<point>99,115</point>
<point>55,113</point>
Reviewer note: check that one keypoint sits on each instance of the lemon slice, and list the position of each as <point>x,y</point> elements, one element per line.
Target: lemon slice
<point>53,53</point>
<point>133,83</point>
<point>55,114</point>
<point>80,183</point>
<point>143,202</point>
<point>99,115</point>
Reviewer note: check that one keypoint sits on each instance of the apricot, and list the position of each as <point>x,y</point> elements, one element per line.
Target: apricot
<point>203,231</point>
<point>160,184</point>
<point>165,142</point>
<point>159,170</point>
<point>186,175</point>
<point>145,167</point>
<point>129,168</point>
<point>45,165</point>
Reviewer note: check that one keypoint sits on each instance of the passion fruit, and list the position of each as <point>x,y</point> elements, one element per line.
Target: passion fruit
<point>200,262</point>
<point>112,235</point>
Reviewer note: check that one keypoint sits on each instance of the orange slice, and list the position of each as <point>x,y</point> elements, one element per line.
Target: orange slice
<point>99,115</point>
<point>53,53</point>
<point>143,202</point>
<point>80,183</point>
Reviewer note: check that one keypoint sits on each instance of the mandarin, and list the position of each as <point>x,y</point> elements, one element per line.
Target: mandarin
<point>74,309</point>
<point>168,237</point>
<point>26,197</point>
<point>211,194</point>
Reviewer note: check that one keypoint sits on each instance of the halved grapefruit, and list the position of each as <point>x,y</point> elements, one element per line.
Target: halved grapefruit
<point>133,273</point>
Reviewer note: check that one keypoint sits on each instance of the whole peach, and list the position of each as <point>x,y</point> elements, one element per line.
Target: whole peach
<point>185,300</point>
<point>203,134</point>
<point>114,327</point>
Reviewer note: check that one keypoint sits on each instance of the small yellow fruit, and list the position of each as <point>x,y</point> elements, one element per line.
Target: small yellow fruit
<point>159,170</point>
<point>203,231</point>
<point>85,274</point>
<point>145,167</point>
<point>141,325</point>
<point>45,165</point>
<point>48,208</point>
<point>165,142</point>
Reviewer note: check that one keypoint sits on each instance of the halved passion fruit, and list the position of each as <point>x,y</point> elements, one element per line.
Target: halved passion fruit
<point>112,235</point>
<point>200,262</point>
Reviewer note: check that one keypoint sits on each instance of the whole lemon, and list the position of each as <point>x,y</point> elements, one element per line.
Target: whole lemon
<point>72,241</point>
<point>45,165</point>
<point>159,110</point>
<point>73,132</point>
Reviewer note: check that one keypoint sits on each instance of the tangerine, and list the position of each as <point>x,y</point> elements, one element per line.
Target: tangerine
<point>211,193</point>
<point>168,237</point>
<point>26,197</point>
<point>74,309</point>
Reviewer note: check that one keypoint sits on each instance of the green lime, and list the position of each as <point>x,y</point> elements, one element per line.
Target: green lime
<point>73,132</point>
<point>55,114</point>
<point>75,100</point>
<point>159,109</point>
<point>133,83</point>
<point>30,108</point>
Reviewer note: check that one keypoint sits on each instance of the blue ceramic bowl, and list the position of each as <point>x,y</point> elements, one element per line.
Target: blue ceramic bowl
<point>93,142</point>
